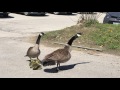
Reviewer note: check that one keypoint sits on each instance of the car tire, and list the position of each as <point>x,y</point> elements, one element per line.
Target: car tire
<point>110,22</point>
<point>5,15</point>
<point>26,13</point>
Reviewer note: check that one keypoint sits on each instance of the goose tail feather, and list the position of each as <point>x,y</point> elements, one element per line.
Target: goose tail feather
<point>48,62</point>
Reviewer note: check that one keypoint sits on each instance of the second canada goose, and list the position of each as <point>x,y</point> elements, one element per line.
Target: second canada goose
<point>60,55</point>
<point>34,52</point>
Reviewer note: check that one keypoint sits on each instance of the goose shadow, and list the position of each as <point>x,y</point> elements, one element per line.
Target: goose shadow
<point>64,67</point>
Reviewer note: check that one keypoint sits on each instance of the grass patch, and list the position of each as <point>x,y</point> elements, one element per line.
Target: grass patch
<point>101,36</point>
<point>107,35</point>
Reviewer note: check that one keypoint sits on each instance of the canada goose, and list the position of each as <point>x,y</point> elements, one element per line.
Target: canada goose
<point>34,52</point>
<point>60,55</point>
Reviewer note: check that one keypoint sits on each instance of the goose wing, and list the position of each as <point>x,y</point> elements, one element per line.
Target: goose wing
<point>59,54</point>
<point>29,51</point>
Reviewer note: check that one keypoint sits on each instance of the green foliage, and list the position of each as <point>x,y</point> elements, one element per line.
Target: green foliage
<point>107,35</point>
<point>95,35</point>
<point>90,22</point>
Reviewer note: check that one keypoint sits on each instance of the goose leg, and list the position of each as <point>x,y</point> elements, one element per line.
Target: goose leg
<point>58,66</point>
<point>30,62</point>
<point>30,58</point>
<point>38,58</point>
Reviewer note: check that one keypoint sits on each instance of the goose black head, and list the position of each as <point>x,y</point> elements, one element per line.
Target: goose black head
<point>73,38</point>
<point>78,34</point>
<point>39,37</point>
<point>41,33</point>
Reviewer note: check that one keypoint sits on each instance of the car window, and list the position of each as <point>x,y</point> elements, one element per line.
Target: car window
<point>114,14</point>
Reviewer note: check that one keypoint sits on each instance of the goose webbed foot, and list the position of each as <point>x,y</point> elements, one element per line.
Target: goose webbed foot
<point>39,60</point>
<point>57,69</point>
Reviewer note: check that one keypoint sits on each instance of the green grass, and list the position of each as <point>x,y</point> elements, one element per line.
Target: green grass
<point>101,36</point>
<point>107,35</point>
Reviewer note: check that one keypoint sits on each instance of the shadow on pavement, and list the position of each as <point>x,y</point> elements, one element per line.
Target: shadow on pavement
<point>62,68</point>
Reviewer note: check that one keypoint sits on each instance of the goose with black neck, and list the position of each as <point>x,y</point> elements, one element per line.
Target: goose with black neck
<point>60,55</point>
<point>34,52</point>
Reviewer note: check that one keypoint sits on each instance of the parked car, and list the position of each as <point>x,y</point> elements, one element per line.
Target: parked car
<point>5,14</point>
<point>57,13</point>
<point>31,13</point>
<point>112,18</point>
<point>86,12</point>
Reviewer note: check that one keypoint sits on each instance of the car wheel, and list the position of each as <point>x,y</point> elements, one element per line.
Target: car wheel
<point>110,22</point>
<point>26,13</point>
<point>5,15</point>
<point>56,13</point>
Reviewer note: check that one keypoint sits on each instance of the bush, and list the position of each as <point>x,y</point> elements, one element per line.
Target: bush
<point>90,22</point>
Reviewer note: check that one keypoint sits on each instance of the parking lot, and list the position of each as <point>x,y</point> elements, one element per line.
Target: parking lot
<point>30,24</point>
<point>13,64</point>
<point>21,24</point>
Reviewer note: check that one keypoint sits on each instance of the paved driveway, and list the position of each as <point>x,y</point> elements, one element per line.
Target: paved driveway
<point>13,47</point>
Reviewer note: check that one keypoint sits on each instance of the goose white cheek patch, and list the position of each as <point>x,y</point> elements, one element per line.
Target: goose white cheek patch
<point>78,35</point>
<point>41,34</point>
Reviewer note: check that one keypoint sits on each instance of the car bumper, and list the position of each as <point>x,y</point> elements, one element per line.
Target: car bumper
<point>114,20</point>
<point>4,13</point>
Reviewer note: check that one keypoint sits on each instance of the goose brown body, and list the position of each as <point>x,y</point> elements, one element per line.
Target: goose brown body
<point>60,55</point>
<point>34,52</point>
